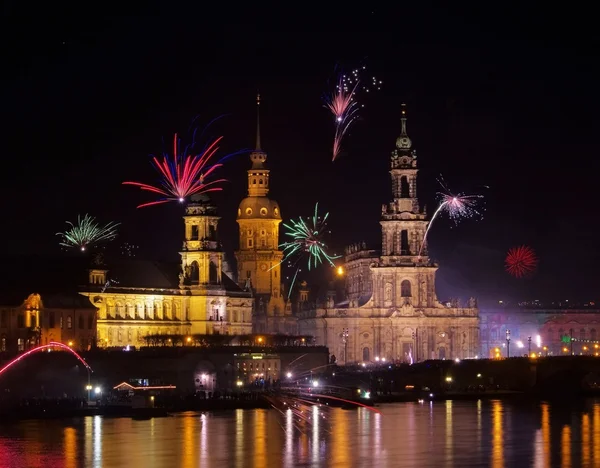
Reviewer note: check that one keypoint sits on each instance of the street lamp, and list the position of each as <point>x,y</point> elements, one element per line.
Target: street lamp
<point>345,338</point>
<point>507,343</point>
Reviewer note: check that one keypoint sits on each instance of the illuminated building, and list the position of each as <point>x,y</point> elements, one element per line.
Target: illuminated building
<point>252,367</point>
<point>140,299</point>
<point>259,257</point>
<point>391,310</point>
<point>39,319</point>
<point>550,328</point>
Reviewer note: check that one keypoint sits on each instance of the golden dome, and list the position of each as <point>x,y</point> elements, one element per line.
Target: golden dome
<point>258,208</point>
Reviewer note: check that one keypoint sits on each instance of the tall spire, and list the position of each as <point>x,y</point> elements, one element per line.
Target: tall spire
<point>403,119</point>
<point>258,122</point>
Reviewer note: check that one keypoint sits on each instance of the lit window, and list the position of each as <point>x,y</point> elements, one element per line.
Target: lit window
<point>250,243</point>
<point>263,211</point>
<point>248,211</point>
<point>69,322</point>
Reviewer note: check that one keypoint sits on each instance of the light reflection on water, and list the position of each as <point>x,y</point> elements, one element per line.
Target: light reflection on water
<point>449,434</point>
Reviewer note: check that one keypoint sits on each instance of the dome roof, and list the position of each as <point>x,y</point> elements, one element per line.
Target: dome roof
<point>258,208</point>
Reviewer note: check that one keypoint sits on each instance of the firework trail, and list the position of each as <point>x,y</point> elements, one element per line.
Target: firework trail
<point>307,242</point>
<point>520,261</point>
<point>184,173</point>
<point>456,206</point>
<point>343,105</point>
<point>87,232</point>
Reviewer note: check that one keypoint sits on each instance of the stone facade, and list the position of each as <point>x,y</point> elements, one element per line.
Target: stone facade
<point>154,300</point>
<point>391,311</point>
<point>550,330</point>
<point>258,257</point>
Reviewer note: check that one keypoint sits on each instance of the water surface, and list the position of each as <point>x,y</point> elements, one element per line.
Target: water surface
<point>444,434</point>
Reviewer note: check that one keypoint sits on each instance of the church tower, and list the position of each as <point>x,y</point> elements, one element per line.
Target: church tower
<point>405,272</point>
<point>259,257</point>
<point>201,257</point>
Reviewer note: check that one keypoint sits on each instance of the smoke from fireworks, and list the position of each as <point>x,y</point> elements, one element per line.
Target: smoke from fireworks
<point>184,174</point>
<point>343,105</point>
<point>520,261</point>
<point>457,206</point>
<point>307,242</point>
<point>87,232</point>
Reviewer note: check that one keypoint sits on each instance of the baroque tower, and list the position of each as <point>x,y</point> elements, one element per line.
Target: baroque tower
<point>405,273</point>
<point>201,257</point>
<point>259,258</point>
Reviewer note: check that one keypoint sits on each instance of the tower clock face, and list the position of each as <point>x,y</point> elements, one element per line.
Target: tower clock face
<point>263,266</point>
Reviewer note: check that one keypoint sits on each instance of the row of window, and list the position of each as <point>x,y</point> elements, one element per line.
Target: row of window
<point>52,320</point>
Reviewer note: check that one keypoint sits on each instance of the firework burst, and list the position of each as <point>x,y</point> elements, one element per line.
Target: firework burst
<point>520,261</point>
<point>306,241</point>
<point>457,206</point>
<point>87,232</point>
<point>343,105</point>
<point>183,174</point>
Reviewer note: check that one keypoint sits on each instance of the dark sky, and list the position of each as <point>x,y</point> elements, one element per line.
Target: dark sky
<point>504,99</point>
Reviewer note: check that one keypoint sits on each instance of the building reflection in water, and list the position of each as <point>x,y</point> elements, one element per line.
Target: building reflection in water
<point>340,445</point>
<point>585,439</point>
<point>565,446</point>
<point>189,452</point>
<point>260,439</point>
<point>497,435</point>
<point>316,426</point>
<point>240,459</point>
<point>596,432</point>
<point>449,433</point>
<point>542,451</point>
<point>289,439</point>
<point>377,441</point>
<point>204,448</point>
<point>70,447</point>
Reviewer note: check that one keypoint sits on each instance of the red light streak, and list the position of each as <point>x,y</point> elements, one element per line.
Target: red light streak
<point>52,344</point>
<point>371,408</point>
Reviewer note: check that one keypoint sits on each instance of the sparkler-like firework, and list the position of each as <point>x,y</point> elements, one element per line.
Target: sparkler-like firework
<point>520,261</point>
<point>307,241</point>
<point>87,232</point>
<point>343,105</point>
<point>184,174</point>
<point>456,206</point>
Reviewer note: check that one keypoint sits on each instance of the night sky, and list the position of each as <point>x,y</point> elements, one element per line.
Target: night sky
<point>503,99</point>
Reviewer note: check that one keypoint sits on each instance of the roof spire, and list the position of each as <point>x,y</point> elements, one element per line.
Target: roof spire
<point>258,122</point>
<point>403,119</point>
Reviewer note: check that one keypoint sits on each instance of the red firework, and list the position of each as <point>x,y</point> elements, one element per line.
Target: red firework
<point>520,261</point>
<point>182,175</point>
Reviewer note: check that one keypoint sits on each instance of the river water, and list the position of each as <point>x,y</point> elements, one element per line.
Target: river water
<point>445,434</point>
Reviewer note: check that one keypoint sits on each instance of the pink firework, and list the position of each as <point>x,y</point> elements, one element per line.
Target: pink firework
<point>183,176</point>
<point>342,104</point>
<point>343,107</point>
<point>457,206</point>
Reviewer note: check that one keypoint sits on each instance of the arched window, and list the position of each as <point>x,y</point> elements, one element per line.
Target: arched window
<point>404,187</point>
<point>366,356</point>
<point>195,276</point>
<point>195,232</point>
<point>155,310</point>
<point>120,310</point>
<point>129,310</point>
<point>166,311</point>
<point>69,322</point>
<point>405,289</point>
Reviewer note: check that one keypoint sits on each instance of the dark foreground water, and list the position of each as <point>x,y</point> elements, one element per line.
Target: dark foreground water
<point>445,434</point>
